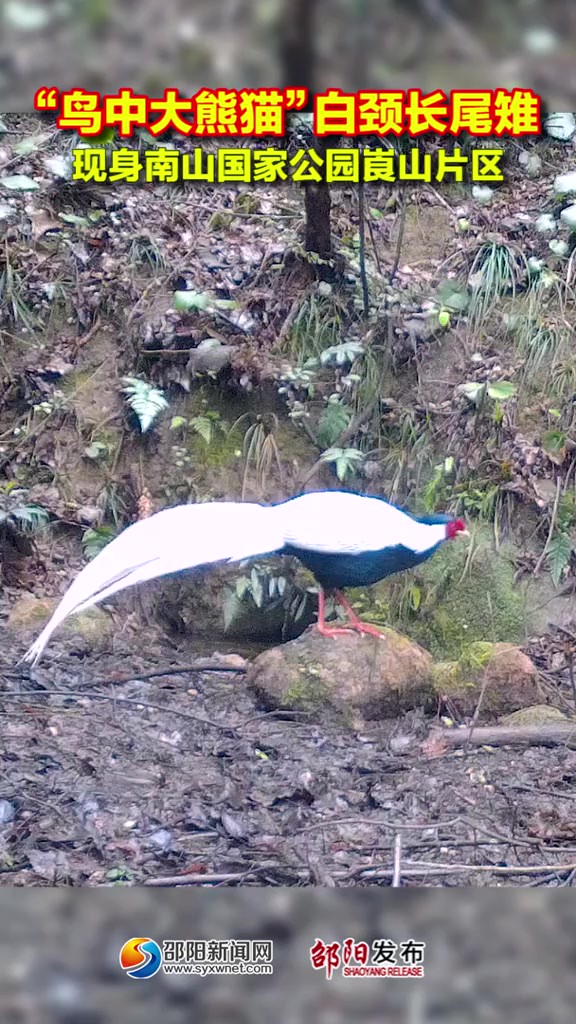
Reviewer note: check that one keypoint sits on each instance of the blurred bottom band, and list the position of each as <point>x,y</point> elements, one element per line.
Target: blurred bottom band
<point>287,955</point>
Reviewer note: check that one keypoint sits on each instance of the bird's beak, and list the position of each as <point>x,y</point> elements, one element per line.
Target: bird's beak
<point>464,533</point>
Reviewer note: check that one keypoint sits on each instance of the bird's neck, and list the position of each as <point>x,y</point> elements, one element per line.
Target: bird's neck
<point>429,536</point>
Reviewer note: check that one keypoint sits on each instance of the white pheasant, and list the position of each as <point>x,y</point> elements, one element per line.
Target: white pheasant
<point>344,539</point>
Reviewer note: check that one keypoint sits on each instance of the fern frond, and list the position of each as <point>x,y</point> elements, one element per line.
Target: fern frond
<point>145,400</point>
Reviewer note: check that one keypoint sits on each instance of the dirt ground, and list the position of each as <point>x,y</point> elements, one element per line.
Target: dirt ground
<point>183,776</point>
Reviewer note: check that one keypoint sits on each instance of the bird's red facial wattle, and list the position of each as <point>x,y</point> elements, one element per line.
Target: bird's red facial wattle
<point>456,528</point>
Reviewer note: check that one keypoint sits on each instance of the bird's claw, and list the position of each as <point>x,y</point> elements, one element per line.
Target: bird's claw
<point>364,628</point>
<point>334,630</point>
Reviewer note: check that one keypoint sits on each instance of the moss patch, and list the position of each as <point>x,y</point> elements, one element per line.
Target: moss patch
<point>538,714</point>
<point>30,614</point>
<point>451,677</point>
<point>307,691</point>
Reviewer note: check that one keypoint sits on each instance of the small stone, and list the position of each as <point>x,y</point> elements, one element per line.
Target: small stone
<point>7,812</point>
<point>565,184</point>
<point>162,839</point>
<point>568,216</point>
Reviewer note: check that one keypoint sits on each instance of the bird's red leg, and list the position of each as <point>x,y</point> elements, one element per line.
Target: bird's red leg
<point>321,624</point>
<point>354,622</point>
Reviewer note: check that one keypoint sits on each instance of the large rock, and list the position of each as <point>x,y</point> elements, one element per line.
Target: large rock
<point>92,630</point>
<point>359,677</point>
<point>500,675</point>
<point>537,714</point>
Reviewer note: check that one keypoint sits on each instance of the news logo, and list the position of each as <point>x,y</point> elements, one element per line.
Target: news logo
<point>140,958</point>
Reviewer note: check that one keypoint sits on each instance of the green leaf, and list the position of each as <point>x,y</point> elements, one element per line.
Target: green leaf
<point>9,486</point>
<point>344,459</point>
<point>444,318</point>
<point>501,390</point>
<point>472,390</point>
<point>120,874</point>
<point>341,354</point>
<point>452,298</point>
<point>231,609</point>
<point>257,588</point>
<point>242,585</point>
<point>558,556</point>
<point>73,218</point>
<point>332,422</point>
<point>30,145</point>
<point>184,301</point>
<point>553,440</point>
<point>104,138</point>
<point>19,182</point>
<point>145,400</point>
<point>177,421</point>
<point>95,539</point>
<point>29,518</point>
<point>302,604</point>
<point>204,426</point>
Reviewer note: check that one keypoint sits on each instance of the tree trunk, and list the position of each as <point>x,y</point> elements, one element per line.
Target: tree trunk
<point>298,60</point>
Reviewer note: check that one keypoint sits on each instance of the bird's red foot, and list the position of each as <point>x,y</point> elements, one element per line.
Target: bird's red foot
<point>353,623</point>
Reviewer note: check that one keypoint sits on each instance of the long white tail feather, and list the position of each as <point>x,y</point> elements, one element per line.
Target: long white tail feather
<point>175,539</point>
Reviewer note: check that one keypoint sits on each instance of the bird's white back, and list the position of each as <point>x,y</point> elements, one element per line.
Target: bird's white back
<point>339,521</point>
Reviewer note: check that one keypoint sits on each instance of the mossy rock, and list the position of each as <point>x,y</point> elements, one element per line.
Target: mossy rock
<point>498,677</point>
<point>537,714</point>
<point>30,614</point>
<point>446,604</point>
<point>358,678</point>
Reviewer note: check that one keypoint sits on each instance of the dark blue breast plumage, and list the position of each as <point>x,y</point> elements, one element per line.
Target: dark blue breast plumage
<point>338,571</point>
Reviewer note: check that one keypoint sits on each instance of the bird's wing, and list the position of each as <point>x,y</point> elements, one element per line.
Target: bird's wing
<point>340,521</point>
<point>178,538</point>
